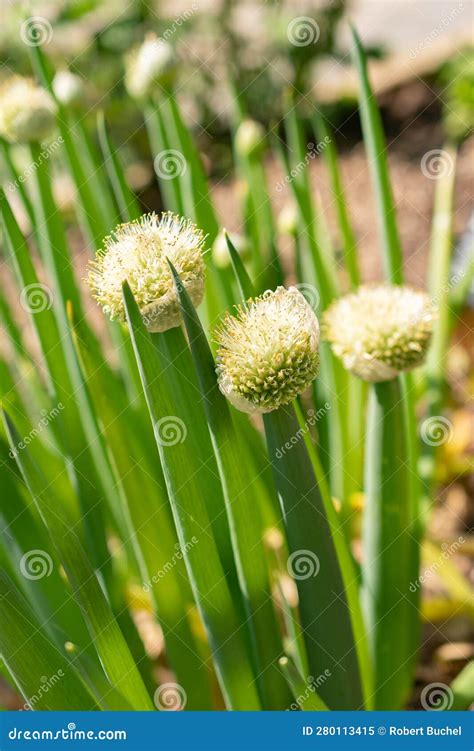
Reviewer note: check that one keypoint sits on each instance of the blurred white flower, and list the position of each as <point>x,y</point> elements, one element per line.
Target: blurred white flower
<point>27,112</point>
<point>380,331</point>
<point>249,138</point>
<point>68,88</point>
<point>149,66</point>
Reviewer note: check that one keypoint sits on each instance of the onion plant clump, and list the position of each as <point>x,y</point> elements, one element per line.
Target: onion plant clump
<point>177,527</point>
<point>380,332</point>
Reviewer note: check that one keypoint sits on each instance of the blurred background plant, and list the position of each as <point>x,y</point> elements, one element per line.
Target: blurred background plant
<point>457,78</point>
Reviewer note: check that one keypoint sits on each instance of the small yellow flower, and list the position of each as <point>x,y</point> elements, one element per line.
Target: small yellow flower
<point>27,112</point>
<point>269,352</point>
<point>380,331</point>
<point>138,252</point>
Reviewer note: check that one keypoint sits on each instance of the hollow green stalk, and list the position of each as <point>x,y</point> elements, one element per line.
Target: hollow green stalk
<point>387,546</point>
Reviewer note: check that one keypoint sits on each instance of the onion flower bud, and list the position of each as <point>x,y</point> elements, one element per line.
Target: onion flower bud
<point>269,351</point>
<point>149,66</point>
<point>249,138</point>
<point>380,331</point>
<point>68,88</point>
<point>27,111</point>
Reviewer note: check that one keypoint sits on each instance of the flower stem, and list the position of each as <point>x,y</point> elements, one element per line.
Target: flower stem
<point>387,549</point>
<point>325,615</point>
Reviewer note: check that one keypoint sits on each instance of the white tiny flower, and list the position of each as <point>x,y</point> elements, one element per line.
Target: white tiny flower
<point>68,88</point>
<point>287,221</point>
<point>27,112</point>
<point>249,138</point>
<point>269,352</point>
<point>149,66</point>
<point>380,331</point>
<point>220,250</point>
<point>138,252</point>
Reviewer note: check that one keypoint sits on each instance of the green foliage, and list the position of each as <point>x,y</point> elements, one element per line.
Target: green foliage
<point>140,487</point>
<point>457,79</point>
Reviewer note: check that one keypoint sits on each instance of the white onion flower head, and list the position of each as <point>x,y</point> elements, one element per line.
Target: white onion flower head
<point>249,138</point>
<point>27,111</point>
<point>149,66</point>
<point>68,88</point>
<point>138,252</point>
<point>380,331</point>
<point>269,351</point>
<point>287,221</point>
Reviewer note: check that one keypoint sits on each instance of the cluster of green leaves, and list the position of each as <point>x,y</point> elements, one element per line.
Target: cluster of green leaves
<point>204,525</point>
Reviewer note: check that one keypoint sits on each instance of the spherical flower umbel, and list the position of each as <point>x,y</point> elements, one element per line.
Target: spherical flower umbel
<point>138,252</point>
<point>149,66</point>
<point>27,112</point>
<point>269,351</point>
<point>380,331</point>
